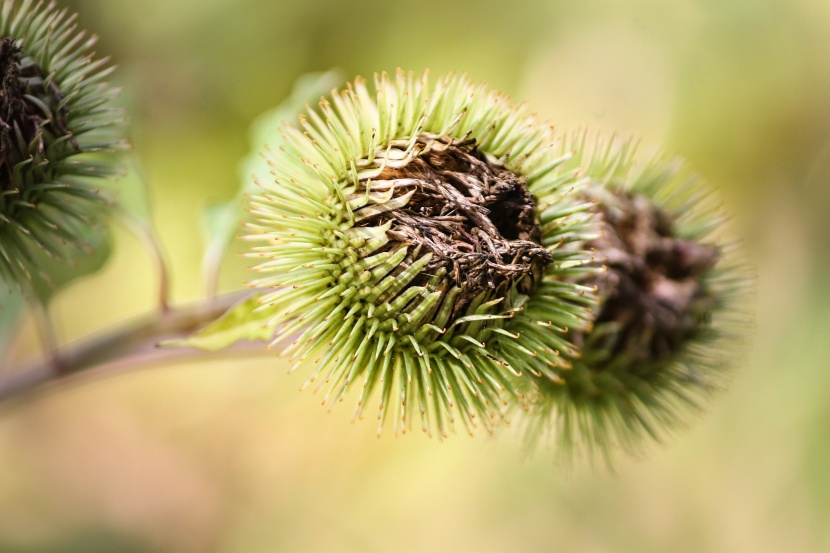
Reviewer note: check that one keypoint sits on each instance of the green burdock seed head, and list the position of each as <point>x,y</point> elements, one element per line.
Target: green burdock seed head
<point>671,313</point>
<point>416,245</point>
<point>58,130</point>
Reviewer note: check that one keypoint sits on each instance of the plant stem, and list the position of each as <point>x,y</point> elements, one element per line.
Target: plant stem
<point>147,234</point>
<point>135,342</point>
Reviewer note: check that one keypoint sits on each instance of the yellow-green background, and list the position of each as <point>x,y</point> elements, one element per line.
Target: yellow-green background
<point>226,456</point>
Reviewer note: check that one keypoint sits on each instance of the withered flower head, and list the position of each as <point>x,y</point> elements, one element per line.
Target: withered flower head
<point>671,313</point>
<point>415,246</point>
<point>58,130</point>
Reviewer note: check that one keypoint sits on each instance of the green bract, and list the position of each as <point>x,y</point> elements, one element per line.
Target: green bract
<point>417,245</point>
<point>58,131</point>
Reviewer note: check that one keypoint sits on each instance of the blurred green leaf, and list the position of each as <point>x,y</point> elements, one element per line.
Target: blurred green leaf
<point>221,221</point>
<point>73,263</point>
<point>135,210</point>
<point>308,89</point>
<point>241,322</point>
<point>132,193</point>
<point>11,307</point>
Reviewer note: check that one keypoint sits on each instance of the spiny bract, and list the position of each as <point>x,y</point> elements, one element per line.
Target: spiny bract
<point>672,308</point>
<point>415,246</point>
<point>58,130</point>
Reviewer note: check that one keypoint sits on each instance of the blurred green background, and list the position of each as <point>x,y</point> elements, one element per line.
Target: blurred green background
<point>226,456</point>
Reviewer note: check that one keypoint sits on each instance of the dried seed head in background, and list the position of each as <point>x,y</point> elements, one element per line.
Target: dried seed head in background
<point>58,131</point>
<point>672,311</point>
<point>415,245</point>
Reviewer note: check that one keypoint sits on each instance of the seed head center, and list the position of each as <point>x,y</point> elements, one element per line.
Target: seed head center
<point>476,218</point>
<point>31,115</point>
<point>654,289</point>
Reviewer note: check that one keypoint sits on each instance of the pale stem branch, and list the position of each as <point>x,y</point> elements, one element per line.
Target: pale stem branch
<point>46,330</point>
<point>148,237</point>
<point>125,346</point>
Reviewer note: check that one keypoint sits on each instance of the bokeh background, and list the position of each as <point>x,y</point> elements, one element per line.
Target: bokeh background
<point>226,456</point>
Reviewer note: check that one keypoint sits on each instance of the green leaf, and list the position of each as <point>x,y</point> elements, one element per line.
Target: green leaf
<point>221,221</point>
<point>11,307</point>
<point>308,89</point>
<point>241,322</point>
<point>75,263</point>
<point>132,193</point>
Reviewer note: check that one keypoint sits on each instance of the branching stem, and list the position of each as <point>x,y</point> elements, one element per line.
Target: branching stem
<point>135,342</point>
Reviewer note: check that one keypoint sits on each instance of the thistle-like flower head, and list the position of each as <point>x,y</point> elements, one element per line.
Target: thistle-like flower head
<point>415,246</point>
<point>57,131</point>
<point>671,312</point>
